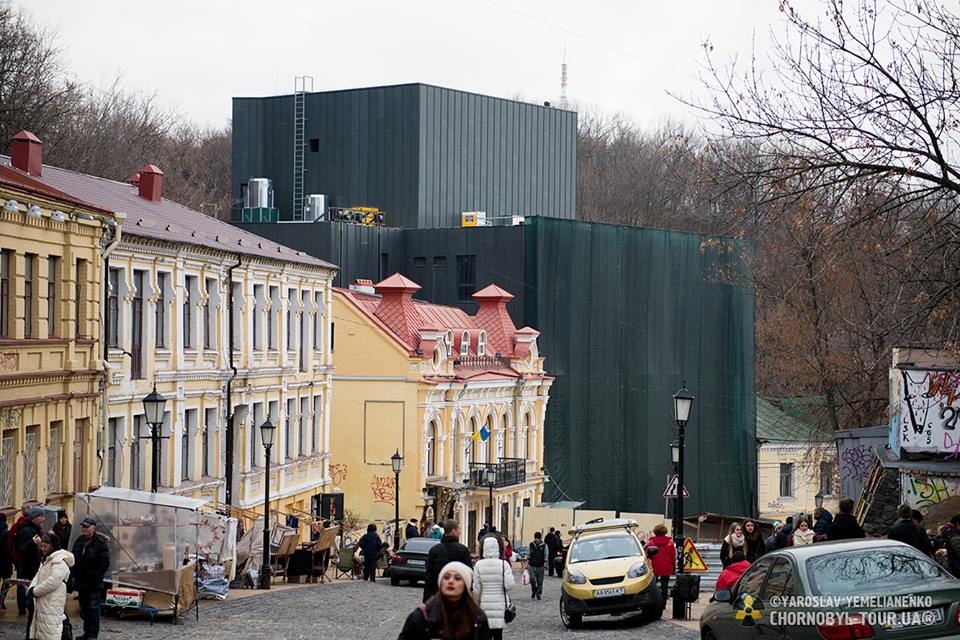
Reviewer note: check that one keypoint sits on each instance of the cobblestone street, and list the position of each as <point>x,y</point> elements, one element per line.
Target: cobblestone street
<point>348,610</point>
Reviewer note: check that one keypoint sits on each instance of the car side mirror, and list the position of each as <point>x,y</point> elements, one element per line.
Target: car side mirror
<point>652,551</point>
<point>723,595</point>
<point>558,564</point>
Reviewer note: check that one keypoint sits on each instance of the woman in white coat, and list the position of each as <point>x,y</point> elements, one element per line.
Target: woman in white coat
<point>49,588</point>
<point>492,578</point>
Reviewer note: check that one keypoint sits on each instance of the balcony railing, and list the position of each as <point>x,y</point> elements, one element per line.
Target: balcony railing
<point>510,471</point>
<point>481,362</point>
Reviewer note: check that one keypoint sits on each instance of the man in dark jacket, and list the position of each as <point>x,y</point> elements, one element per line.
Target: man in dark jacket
<point>904,530</point>
<point>845,526</point>
<point>553,542</point>
<point>782,539</point>
<point>27,546</point>
<point>11,543</point>
<point>535,561</point>
<point>369,546</point>
<point>822,519</point>
<point>411,531</point>
<point>6,562</point>
<point>91,561</point>
<point>449,550</point>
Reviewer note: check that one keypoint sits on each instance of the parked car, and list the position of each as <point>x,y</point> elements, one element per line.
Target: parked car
<point>606,571</point>
<point>410,562</point>
<point>845,589</point>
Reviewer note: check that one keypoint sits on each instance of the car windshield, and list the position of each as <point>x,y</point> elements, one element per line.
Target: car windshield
<point>884,568</point>
<point>602,548</point>
<point>419,545</point>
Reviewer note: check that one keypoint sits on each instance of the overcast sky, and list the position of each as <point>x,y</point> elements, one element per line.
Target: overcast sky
<point>623,56</point>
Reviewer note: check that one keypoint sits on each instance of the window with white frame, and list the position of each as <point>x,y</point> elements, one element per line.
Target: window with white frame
<point>136,463</point>
<point>432,449</point>
<point>209,443</point>
<point>189,297</point>
<point>317,424</point>
<point>209,321</point>
<point>258,305</point>
<point>272,318</point>
<point>237,295</point>
<point>465,344</point>
<point>482,344</point>
<point>828,470</point>
<point>254,445</point>
<point>114,427</point>
<point>786,479</point>
<point>160,311</point>
<point>288,429</point>
<point>303,441</point>
<point>55,458</point>
<point>186,443</point>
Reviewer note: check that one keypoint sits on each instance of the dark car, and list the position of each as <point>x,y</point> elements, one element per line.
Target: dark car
<point>873,588</point>
<point>410,562</point>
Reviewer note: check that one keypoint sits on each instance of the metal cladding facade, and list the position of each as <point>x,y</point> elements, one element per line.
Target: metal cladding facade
<point>423,154</point>
<point>625,315</point>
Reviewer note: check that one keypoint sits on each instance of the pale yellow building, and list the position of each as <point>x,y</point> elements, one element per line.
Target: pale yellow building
<point>796,462</point>
<point>52,248</point>
<point>182,289</point>
<point>426,381</point>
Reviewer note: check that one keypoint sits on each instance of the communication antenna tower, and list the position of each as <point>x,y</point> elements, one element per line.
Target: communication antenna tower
<point>563,75</point>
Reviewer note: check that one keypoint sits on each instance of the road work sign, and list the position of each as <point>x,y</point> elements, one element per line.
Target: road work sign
<point>692,560</point>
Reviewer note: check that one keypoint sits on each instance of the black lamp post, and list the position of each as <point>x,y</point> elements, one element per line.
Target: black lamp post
<point>267,431</point>
<point>818,499</point>
<point>491,478</point>
<point>682,402</point>
<point>397,461</point>
<point>153,405</point>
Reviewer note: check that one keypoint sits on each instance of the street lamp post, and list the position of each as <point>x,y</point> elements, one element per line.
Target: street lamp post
<point>491,478</point>
<point>682,402</point>
<point>818,499</point>
<point>153,405</point>
<point>397,461</point>
<point>267,430</point>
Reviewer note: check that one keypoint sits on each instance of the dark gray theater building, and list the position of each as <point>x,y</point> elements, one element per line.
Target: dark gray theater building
<point>422,154</point>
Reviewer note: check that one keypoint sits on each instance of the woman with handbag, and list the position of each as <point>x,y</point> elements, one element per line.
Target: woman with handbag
<point>492,579</point>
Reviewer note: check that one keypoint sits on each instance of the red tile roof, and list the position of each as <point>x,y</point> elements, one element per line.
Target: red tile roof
<point>16,179</point>
<point>165,220</point>
<point>493,317</point>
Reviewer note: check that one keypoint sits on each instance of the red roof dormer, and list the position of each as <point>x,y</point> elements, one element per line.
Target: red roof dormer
<point>396,308</point>
<point>493,317</point>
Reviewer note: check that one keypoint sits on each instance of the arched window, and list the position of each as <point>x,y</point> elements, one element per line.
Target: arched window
<point>482,344</point>
<point>531,438</point>
<point>448,339</point>
<point>485,447</point>
<point>432,449</point>
<point>504,430</point>
<point>465,344</point>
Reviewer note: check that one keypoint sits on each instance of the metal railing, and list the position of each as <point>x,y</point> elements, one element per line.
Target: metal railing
<point>480,362</point>
<point>510,471</point>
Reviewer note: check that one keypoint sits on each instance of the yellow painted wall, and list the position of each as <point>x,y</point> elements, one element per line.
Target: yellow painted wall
<point>806,479</point>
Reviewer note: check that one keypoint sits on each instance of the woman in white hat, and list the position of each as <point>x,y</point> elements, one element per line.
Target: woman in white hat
<point>452,614</point>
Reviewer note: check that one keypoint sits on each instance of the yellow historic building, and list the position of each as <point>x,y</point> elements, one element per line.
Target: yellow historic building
<point>454,394</point>
<point>231,329</point>
<point>52,249</point>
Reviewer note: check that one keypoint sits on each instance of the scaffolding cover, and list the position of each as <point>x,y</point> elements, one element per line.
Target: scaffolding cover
<point>627,314</point>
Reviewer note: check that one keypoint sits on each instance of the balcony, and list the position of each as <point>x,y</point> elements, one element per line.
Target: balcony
<point>481,362</point>
<point>510,471</point>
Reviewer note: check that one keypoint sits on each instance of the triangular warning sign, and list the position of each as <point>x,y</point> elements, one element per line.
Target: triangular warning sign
<point>671,490</point>
<point>692,560</point>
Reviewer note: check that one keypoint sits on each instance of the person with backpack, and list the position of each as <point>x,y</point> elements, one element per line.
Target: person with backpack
<point>536,558</point>
<point>552,540</point>
<point>492,578</point>
<point>370,545</point>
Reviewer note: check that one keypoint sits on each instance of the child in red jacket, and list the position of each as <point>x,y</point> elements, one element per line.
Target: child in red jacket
<point>730,575</point>
<point>665,560</point>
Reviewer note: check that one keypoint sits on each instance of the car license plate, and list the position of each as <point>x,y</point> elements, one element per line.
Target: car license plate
<point>608,593</point>
<point>908,619</point>
<point>418,563</point>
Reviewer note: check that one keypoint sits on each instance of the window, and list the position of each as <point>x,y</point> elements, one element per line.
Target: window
<point>439,262</point>
<point>314,145</point>
<point>5,293</point>
<point>112,452</point>
<point>384,265</point>
<point>786,479</point>
<point>432,449</point>
<point>255,443</point>
<point>448,339</point>
<point>332,334</point>
<point>209,433</point>
<point>482,344</point>
<point>28,265</point>
<point>302,426</point>
<point>136,326</point>
<point>136,478</point>
<point>272,318</point>
<point>186,440</point>
<point>52,263</point>
<point>466,277</point>
<point>209,332</point>
<point>781,581</point>
<point>317,318</point>
<point>113,309</point>
<point>465,344</point>
<point>79,284</point>
<point>188,312</point>
<point>317,417</point>
<point>288,430</point>
<point>752,581</point>
<point>236,294</point>
<point>54,453</point>
<point>419,261</point>
<point>302,338</point>
<point>827,472</point>
<point>291,296</point>
<point>31,447</point>
<point>160,339</point>
<point>257,319</point>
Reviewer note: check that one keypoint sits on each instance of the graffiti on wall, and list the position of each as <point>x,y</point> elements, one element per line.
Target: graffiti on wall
<point>856,462</point>
<point>338,473</point>
<point>923,492</point>
<point>929,412</point>
<point>383,488</point>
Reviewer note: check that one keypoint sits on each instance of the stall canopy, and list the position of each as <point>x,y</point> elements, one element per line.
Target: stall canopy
<point>150,535</point>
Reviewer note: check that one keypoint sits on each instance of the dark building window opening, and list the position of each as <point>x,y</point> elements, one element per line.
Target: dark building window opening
<point>440,261</point>
<point>314,145</point>
<point>384,265</point>
<point>420,261</point>
<point>466,277</point>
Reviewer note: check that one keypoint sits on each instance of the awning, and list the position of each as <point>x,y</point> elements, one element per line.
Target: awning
<point>562,504</point>
<point>145,497</point>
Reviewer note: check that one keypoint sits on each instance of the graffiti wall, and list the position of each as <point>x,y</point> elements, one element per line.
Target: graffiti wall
<point>931,494</point>
<point>856,455</point>
<point>927,412</point>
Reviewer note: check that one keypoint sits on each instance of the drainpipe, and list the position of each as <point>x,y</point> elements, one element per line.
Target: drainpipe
<point>228,462</point>
<point>108,226</point>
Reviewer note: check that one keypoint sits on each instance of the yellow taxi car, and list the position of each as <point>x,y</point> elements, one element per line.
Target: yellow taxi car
<point>607,572</point>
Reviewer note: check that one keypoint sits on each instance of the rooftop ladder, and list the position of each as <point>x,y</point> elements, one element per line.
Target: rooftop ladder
<point>301,85</point>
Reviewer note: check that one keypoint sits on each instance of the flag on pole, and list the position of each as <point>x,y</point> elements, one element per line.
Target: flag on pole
<point>476,436</point>
<point>484,434</point>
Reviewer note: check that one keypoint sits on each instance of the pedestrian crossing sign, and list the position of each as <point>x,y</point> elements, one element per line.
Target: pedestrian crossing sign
<point>692,560</point>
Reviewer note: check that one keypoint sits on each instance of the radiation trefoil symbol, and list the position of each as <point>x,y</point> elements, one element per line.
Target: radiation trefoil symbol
<point>748,610</point>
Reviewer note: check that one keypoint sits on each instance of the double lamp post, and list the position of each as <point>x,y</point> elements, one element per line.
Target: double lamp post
<point>682,403</point>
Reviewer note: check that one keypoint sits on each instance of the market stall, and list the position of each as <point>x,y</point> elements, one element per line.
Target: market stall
<point>153,539</point>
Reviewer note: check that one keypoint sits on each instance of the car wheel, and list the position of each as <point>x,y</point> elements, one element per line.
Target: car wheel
<point>708,634</point>
<point>394,581</point>
<point>653,614</point>
<point>570,620</point>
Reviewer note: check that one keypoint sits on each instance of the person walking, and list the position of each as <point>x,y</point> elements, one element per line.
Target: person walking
<point>771,541</point>
<point>804,535</point>
<point>782,541</point>
<point>451,613</point>
<point>437,532</point>
<point>552,540</point>
<point>492,578</point>
<point>665,560</point>
<point>482,534</point>
<point>449,550</point>
<point>733,542</point>
<point>822,519</point>
<point>63,529</point>
<point>11,543</point>
<point>732,572</point>
<point>536,558</point>
<point>27,546</point>
<point>845,525</point>
<point>756,545</point>
<point>904,530</point>
<point>91,561</point>
<point>49,590</point>
<point>369,546</point>
<point>411,531</point>
<point>6,562</point>
<point>951,544</point>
